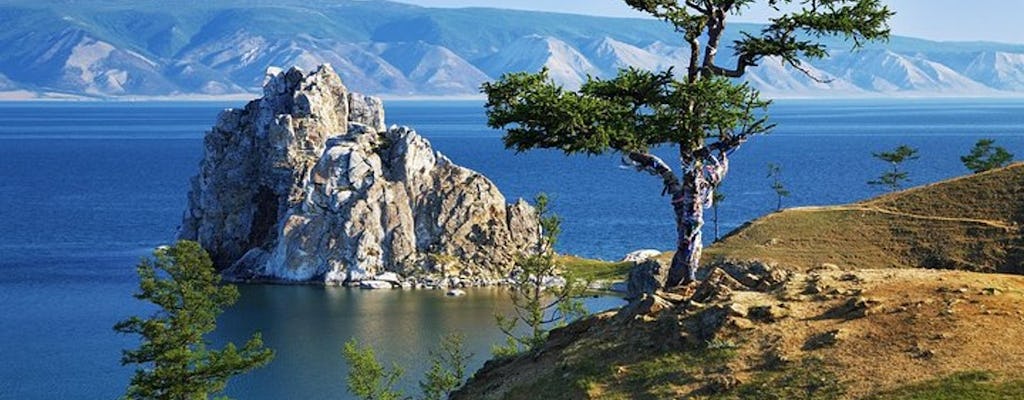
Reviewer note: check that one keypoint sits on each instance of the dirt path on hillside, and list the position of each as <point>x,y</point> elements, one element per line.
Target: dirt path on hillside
<point>993,223</point>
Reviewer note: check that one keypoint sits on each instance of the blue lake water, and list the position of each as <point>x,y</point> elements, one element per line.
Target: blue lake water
<point>87,189</point>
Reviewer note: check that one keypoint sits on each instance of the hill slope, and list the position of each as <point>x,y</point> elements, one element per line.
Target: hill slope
<point>866,333</point>
<point>970,223</point>
<point>826,318</point>
<point>114,48</point>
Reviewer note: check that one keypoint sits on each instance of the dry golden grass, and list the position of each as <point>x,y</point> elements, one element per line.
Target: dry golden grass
<point>929,334</point>
<point>924,325</point>
<point>970,223</point>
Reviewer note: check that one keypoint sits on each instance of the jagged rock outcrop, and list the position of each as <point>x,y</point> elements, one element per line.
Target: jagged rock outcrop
<point>307,184</point>
<point>647,277</point>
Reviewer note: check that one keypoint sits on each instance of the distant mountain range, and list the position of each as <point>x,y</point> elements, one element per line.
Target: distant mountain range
<point>151,48</point>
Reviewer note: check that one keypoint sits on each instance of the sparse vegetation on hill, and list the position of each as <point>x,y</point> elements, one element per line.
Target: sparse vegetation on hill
<point>893,180</point>
<point>961,386</point>
<point>839,308</point>
<point>826,334</point>
<point>985,156</point>
<point>589,270</point>
<point>970,223</point>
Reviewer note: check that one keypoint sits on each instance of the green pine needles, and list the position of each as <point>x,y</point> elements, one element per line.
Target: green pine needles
<point>538,303</point>
<point>894,179</point>
<point>775,175</point>
<point>368,379</point>
<point>174,359</point>
<point>986,156</point>
<point>704,113</point>
<point>448,366</point>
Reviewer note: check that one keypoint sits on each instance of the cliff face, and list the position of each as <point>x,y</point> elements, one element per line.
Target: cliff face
<point>308,184</point>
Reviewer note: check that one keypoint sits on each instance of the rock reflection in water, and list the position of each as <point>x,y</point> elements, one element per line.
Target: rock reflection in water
<point>307,326</point>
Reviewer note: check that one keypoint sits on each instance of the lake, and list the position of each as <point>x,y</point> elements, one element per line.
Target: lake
<point>87,189</point>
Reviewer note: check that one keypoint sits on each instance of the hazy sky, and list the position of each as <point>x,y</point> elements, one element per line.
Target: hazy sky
<point>992,20</point>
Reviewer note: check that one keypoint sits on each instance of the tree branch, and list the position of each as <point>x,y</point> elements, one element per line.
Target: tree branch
<point>693,72</point>
<point>807,72</point>
<point>716,25</point>
<point>696,7</point>
<point>742,62</point>
<point>656,166</point>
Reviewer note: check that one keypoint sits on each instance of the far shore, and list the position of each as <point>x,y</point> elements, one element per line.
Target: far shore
<point>27,96</point>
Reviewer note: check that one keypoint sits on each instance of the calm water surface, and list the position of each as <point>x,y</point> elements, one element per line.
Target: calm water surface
<point>87,189</point>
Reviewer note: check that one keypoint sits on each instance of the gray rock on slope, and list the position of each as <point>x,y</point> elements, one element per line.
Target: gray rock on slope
<point>307,184</point>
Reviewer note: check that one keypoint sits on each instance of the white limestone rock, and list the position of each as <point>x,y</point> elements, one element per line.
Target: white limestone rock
<point>390,277</point>
<point>640,255</point>
<point>306,184</point>
<point>375,285</point>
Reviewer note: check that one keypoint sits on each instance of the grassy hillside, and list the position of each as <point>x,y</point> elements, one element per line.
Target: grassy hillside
<point>880,334</point>
<point>971,223</point>
<point>843,315</point>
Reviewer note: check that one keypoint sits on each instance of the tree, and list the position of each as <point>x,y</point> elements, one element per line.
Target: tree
<point>369,380</point>
<point>178,364</point>
<point>775,174</point>
<point>537,303</point>
<point>447,368</point>
<point>703,114</point>
<point>716,201</point>
<point>984,156</point>
<point>894,179</point>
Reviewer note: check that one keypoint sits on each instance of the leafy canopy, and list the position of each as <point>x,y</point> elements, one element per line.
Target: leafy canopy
<point>789,36</point>
<point>175,358</point>
<point>704,113</point>
<point>898,155</point>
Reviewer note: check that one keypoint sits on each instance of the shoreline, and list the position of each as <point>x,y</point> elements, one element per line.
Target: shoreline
<point>74,98</point>
<point>595,288</point>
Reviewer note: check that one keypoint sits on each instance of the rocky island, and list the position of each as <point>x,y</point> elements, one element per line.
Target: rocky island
<point>307,184</point>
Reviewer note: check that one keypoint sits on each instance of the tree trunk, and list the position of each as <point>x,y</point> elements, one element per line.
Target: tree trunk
<point>698,184</point>
<point>690,196</point>
<point>689,210</point>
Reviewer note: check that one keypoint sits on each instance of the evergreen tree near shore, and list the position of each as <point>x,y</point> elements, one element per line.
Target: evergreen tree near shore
<point>704,114</point>
<point>175,360</point>
<point>368,379</point>
<point>775,175</point>
<point>448,368</point>
<point>895,178</point>
<point>538,303</point>
<point>985,156</point>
